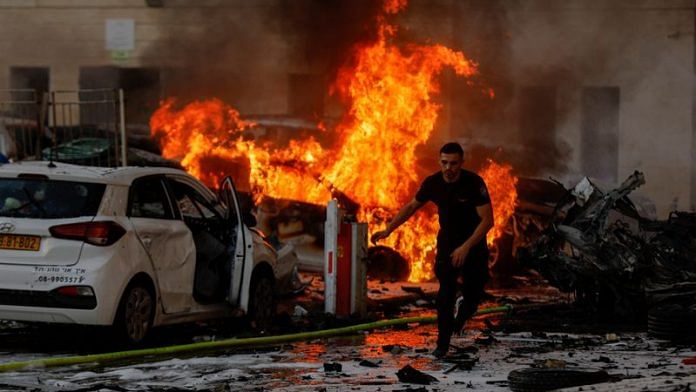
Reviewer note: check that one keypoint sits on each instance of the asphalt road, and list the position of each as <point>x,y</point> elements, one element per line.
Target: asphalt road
<point>550,336</point>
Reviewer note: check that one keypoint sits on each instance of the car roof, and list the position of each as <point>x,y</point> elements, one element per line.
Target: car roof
<point>68,172</point>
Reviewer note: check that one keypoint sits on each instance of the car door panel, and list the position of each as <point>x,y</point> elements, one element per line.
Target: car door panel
<point>242,265</point>
<point>170,246</point>
<point>167,241</point>
<point>214,243</point>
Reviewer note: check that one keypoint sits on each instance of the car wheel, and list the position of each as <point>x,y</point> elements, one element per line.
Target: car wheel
<point>546,379</point>
<point>500,260</point>
<point>135,314</point>
<point>675,323</point>
<point>262,303</point>
<point>385,263</point>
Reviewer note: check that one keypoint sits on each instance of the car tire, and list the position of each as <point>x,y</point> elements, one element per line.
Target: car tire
<point>135,314</point>
<point>262,303</point>
<point>385,263</point>
<point>546,379</point>
<point>501,261</point>
<point>673,323</point>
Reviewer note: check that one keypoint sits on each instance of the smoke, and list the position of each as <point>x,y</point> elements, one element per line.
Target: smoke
<point>543,59</point>
<point>539,58</point>
<point>326,31</point>
<point>248,50</point>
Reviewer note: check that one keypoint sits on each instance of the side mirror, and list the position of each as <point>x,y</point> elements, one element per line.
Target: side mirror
<point>248,219</point>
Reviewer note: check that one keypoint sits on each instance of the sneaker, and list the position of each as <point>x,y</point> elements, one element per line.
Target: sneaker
<point>439,353</point>
<point>459,319</point>
<point>457,304</point>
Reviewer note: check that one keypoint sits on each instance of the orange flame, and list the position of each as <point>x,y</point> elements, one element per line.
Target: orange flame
<point>503,192</point>
<point>389,93</point>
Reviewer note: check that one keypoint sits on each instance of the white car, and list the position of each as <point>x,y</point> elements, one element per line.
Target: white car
<point>130,247</point>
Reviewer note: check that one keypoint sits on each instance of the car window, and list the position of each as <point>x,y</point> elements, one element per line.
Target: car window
<point>187,207</point>
<point>149,200</point>
<point>228,203</point>
<point>191,202</point>
<point>205,210</point>
<point>48,199</point>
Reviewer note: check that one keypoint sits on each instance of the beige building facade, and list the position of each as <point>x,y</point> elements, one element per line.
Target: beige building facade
<point>583,87</point>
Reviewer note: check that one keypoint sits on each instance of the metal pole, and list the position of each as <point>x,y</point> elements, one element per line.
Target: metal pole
<point>331,228</point>
<point>53,125</point>
<point>42,104</point>
<point>122,115</point>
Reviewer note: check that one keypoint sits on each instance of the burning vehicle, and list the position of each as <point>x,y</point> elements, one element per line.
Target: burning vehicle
<point>623,264</point>
<point>534,205</point>
<point>369,156</point>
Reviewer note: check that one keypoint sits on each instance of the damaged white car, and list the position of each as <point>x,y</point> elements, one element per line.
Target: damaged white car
<point>131,247</point>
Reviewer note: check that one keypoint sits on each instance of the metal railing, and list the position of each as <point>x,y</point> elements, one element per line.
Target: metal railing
<point>85,127</point>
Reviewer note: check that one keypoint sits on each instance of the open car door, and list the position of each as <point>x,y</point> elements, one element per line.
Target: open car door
<point>242,264</point>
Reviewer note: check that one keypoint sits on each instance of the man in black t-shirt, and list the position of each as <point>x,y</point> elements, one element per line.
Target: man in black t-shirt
<point>465,216</point>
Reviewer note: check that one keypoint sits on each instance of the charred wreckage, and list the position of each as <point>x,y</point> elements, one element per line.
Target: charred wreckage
<point>622,265</point>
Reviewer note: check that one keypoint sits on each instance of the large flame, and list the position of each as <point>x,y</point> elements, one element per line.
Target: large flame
<point>391,111</point>
<point>503,192</point>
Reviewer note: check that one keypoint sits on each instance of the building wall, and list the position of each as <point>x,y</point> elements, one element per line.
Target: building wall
<point>241,51</point>
<point>643,48</point>
<point>190,41</point>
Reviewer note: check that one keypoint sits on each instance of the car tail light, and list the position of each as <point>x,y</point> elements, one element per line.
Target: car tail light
<point>75,291</point>
<point>96,233</point>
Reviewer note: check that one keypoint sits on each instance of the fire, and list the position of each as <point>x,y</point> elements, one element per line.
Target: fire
<point>389,93</point>
<point>502,189</point>
<point>212,132</point>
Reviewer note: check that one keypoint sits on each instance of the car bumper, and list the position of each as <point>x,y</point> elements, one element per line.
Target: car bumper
<point>49,315</point>
<point>29,292</point>
<point>47,299</point>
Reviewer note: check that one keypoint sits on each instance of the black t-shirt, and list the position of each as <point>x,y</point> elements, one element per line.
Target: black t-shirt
<point>456,206</point>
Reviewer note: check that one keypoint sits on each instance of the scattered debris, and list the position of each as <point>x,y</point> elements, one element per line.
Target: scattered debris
<point>464,349</point>
<point>611,338</point>
<point>553,364</point>
<point>408,374</point>
<point>419,389</point>
<point>333,367</point>
<point>300,311</point>
<point>597,246</point>
<point>413,289</point>
<point>461,361</point>
<point>603,359</point>
<point>368,363</point>
<point>485,340</point>
<point>393,348</point>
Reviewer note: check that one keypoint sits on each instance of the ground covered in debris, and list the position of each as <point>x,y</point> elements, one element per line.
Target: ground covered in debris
<point>548,333</point>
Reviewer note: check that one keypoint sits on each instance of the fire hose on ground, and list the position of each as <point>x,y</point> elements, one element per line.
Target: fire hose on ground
<point>228,343</point>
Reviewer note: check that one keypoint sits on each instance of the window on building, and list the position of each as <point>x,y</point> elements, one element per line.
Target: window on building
<point>141,87</point>
<point>27,88</point>
<point>537,125</point>
<point>29,78</point>
<point>600,132</point>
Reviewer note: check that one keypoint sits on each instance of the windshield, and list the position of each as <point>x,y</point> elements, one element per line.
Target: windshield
<point>47,199</point>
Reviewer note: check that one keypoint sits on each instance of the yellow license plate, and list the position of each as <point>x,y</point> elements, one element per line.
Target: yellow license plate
<point>20,242</point>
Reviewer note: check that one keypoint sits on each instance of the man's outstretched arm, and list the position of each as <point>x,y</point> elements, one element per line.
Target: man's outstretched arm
<point>402,216</point>
<point>485,212</point>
